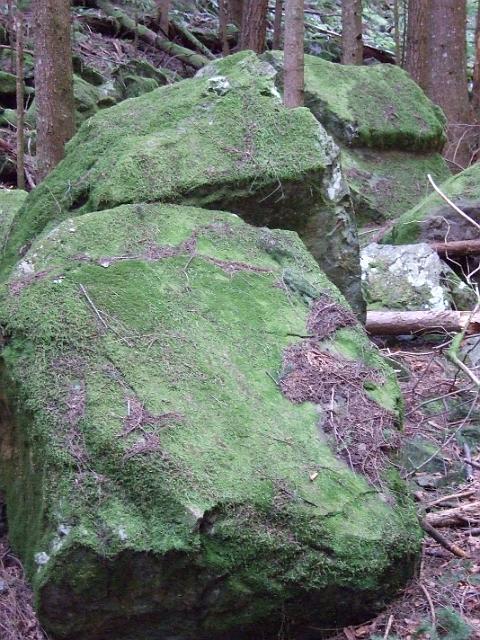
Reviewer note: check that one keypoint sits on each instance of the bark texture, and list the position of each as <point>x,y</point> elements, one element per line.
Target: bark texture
<point>254,25</point>
<point>20,102</point>
<point>277,25</point>
<point>447,80</point>
<point>222,26</point>
<point>163,11</point>
<point>352,39</point>
<point>418,36</point>
<point>293,54</point>
<point>53,82</point>
<point>476,68</point>
<point>235,12</point>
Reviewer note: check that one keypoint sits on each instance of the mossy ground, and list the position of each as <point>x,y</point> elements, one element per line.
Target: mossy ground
<point>181,317</point>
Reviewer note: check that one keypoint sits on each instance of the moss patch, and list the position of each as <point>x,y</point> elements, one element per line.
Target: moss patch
<point>10,202</point>
<point>165,450</point>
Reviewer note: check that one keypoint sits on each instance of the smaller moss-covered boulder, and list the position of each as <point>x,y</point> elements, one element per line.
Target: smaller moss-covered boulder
<point>8,88</point>
<point>198,447</point>
<point>136,77</point>
<point>10,202</point>
<point>433,220</point>
<point>411,277</point>
<point>389,131</point>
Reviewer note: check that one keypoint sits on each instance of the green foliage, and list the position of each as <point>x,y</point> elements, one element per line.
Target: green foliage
<point>450,626</point>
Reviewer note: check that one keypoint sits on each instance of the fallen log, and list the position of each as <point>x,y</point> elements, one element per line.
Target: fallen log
<point>187,56</point>
<point>457,247</point>
<point>457,516</point>
<point>394,323</point>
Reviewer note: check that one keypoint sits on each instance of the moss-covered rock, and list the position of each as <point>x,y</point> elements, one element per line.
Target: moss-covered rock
<point>385,184</point>
<point>434,220</point>
<point>389,131</point>
<point>165,474</point>
<point>10,202</point>
<point>137,77</point>
<point>220,140</point>
<point>8,87</point>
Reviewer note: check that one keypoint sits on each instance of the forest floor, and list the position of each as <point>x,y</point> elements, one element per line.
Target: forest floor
<point>443,601</point>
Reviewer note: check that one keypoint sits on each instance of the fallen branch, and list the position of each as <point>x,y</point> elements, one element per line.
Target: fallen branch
<point>188,35</point>
<point>190,58</point>
<point>438,537</point>
<point>394,323</point>
<point>457,248</point>
<point>452,496</point>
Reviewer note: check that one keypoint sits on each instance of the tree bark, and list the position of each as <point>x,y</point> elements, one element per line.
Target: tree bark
<point>55,111</point>
<point>352,28</point>
<point>277,25</point>
<point>476,68</point>
<point>416,51</point>
<point>396,26</point>
<point>163,12</point>
<point>20,101</point>
<point>447,80</point>
<point>11,33</point>
<point>254,25</point>
<point>222,26</point>
<point>235,12</point>
<point>293,92</point>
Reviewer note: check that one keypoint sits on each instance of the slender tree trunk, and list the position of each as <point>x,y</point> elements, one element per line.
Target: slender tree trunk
<point>352,28</point>
<point>11,33</point>
<point>418,37</point>
<point>254,25</point>
<point>235,12</point>
<point>396,20</point>
<point>476,69</point>
<point>277,25</point>
<point>53,82</point>
<point>20,102</point>
<point>163,13</point>
<point>222,23</point>
<point>294,53</point>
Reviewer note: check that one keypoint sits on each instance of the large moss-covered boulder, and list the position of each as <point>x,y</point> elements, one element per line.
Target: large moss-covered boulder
<point>198,449</point>
<point>220,140</point>
<point>433,220</point>
<point>390,132</point>
<point>10,202</point>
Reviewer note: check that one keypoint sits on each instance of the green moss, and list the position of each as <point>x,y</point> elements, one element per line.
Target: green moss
<point>221,504</point>
<point>10,202</point>
<point>233,147</point>
<point>8,83</point>
<point>375,106</point>
<point>386,184</point>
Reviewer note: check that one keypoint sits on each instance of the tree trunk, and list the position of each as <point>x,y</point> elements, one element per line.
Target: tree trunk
<point>55,109</point>
<point>254,25</point>
<point>396,20</point>
<point>394,323</point>
<point>20,101</point>
<point>277,25</point>
<point>163,12</point>
<point>222,26</point>
<point>447,80</point>
<point>418,35</point>
<point>11,33</point>
<point>235,12</point>
<point>476,68</point>
<point>294,53</point>
<point>352,42</point>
